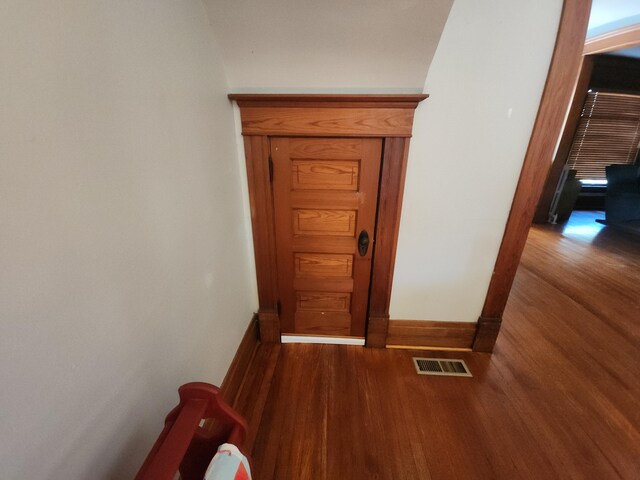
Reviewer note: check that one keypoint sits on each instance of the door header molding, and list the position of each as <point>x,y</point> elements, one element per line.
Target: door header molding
<point>322,100</point>
<point>327,115</point>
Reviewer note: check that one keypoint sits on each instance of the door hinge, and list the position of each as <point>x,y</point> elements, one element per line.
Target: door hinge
<point>270,168</point>
<point>279,307</point>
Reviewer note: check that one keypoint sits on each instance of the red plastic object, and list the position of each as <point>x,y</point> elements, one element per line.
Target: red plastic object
<point>185,446</point>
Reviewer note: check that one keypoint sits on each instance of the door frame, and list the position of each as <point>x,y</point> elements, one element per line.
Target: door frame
<point>552,113</point>
<point>389,117</point>
<point>621,38</point>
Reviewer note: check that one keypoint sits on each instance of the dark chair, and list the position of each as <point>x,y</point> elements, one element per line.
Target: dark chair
<point>568,197</point>
<point>622,203</point>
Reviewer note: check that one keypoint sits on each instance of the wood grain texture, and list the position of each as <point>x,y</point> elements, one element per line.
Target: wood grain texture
<point>269,321</point>
<point>323,265</point>
<point>555,101</point>
<point>251,400</point>
<point>324,222</point>
<point>627,37</point>
<point>262,222</point>
<point>377,329</point>
<point>394,168</point>
<point>232,382</point>
<point>598,271</point>
<point>316,247</point>
<point>319,175</point>
<point>327,323</point>
<point>324,301</point>
<point>387,117</point>
<point>338,284</point>
<point>422,333</point>
<point>566,140</point>
<point>486,334</point>
<point>327,122</point>
<point>234,379</point>
<point>557,399</point>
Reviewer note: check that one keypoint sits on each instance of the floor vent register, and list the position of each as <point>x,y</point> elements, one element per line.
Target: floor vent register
<point>441,366</point>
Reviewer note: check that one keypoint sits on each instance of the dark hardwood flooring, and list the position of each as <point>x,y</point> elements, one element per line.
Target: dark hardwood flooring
<point>559,398</point>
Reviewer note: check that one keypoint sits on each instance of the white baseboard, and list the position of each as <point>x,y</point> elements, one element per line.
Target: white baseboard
<point>326,340</point>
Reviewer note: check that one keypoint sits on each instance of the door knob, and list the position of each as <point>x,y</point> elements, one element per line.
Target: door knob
<point>363,243</point>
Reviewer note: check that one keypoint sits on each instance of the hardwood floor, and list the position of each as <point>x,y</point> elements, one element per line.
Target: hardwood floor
<point>557,399</point>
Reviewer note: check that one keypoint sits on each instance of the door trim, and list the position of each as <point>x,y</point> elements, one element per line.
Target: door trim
<point>554,105</point>
<point>389,117</point>
<point>627,37</point>
<point>566,140</point>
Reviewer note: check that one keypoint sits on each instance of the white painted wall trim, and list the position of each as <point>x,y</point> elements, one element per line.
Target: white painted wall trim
<point>324,340</point>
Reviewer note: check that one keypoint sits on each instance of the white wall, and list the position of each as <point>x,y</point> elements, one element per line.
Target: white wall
<point>317,47</point>
<point>327,46</point>
<point>485,82</point>
<point>123,266</point>
<point>470,138</point>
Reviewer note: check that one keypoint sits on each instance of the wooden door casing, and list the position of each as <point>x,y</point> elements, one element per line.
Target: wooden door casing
<point>388,118</point>
<point>325,194</point>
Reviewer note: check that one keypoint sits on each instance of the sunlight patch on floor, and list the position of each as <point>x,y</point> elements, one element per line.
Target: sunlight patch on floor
<point>583,224</point>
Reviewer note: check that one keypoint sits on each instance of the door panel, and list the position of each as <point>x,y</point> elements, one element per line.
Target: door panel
<point>325,194</point>
<point>324,301</point>
<point>323,265</point>
<point>324,222</point>
<point>319,175</point>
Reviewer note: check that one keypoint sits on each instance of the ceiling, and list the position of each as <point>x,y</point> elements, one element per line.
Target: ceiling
<point>608,15</point>
<point>357,45</point>
<point>331,46</point>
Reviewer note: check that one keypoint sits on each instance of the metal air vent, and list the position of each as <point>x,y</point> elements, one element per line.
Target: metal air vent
<point>441,366</point>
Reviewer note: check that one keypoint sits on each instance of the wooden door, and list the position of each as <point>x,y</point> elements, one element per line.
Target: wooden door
<point>325,196</point>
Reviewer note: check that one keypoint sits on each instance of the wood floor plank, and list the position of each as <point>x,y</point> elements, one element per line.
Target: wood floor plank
<point>252,396</point>
<point>557,399</point>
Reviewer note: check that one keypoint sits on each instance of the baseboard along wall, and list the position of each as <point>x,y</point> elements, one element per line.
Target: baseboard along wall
<point>233,380</point>
<point>431,334</point>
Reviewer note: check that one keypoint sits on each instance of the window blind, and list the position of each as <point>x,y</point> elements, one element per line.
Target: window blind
<point>608,133</point>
